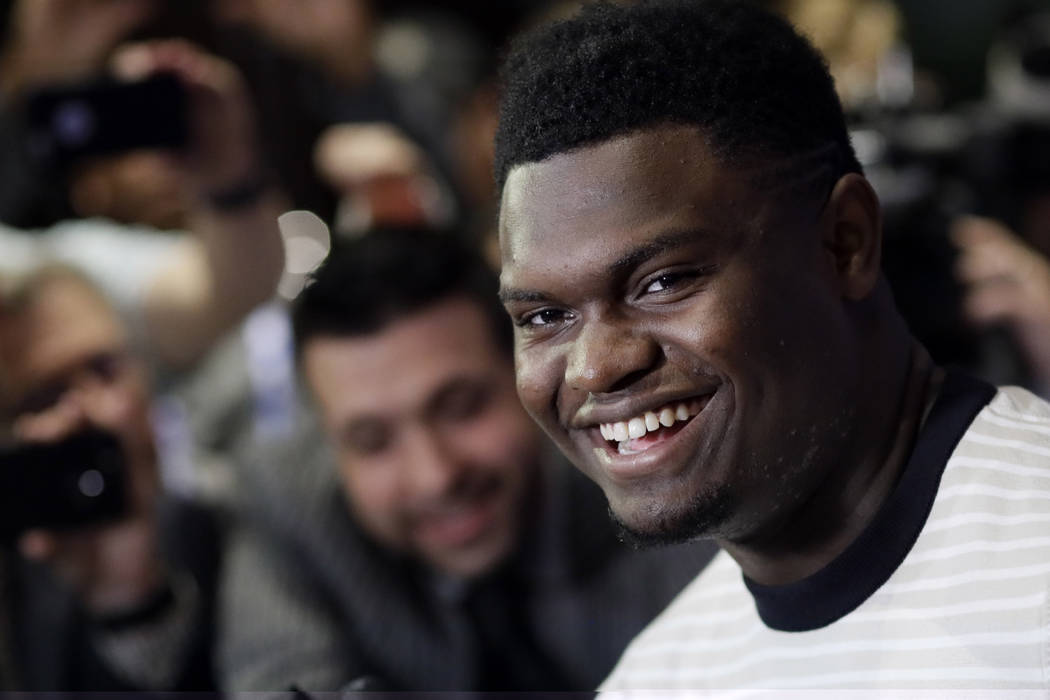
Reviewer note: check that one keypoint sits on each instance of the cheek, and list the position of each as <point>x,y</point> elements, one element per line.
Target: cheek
<point>372,492</point>
<point>537,384</point>
<point>499,439</point>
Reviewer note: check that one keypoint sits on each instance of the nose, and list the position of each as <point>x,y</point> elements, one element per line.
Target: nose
<point>606,356</point>
<point>432,465</point>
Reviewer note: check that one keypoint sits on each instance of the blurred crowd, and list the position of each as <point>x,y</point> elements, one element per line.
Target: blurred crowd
<point>329,488</point>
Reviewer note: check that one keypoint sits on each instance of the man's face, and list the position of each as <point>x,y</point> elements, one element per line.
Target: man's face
<point>435,451</point>
<point>66,355</point>
<point>678,332</point>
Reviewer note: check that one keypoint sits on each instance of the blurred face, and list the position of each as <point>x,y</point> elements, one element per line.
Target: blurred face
<point>678,333</point>
<point>67,352</point>
<point>140,187</point>
<point>435,452</point>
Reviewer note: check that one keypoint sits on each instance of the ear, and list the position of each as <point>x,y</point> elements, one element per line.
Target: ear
<point>852,233</point>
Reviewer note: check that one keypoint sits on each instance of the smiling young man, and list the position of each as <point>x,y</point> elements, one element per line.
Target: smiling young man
<point>691,260</point>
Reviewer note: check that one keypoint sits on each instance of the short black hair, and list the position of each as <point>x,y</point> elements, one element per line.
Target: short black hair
<point>369,282</point>
<point>754,86</point>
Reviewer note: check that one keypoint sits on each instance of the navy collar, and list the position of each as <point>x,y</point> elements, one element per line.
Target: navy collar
<point>854,575</point>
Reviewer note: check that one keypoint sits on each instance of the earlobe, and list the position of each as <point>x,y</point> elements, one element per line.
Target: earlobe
<point>853,235</point>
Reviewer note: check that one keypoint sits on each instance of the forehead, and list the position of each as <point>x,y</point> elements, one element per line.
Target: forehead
<point>65,324</point>
<point>590,203</point>
<point>400,368</point>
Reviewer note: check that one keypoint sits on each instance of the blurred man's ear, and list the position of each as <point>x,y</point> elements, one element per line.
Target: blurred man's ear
<point>852,235</point>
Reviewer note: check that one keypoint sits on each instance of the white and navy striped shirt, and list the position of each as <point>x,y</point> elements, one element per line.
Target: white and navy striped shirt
<point>952,595</point>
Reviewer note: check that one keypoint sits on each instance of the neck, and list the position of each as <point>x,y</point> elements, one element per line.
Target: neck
<point>853,488</point>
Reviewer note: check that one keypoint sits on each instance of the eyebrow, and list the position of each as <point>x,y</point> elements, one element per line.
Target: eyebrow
<point>629,260</point>
<point>509,295</point>
<point>659,245</point>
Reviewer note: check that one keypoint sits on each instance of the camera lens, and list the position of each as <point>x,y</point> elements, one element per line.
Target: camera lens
<point>91,483</point>
<point>74,123</point>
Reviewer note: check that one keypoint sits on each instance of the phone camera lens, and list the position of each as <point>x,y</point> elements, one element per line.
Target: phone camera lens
<point>91,483</point>
<point>74,123</point>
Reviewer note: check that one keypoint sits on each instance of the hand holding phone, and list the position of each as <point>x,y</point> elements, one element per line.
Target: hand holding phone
<point>110,559</point>
<point>74,483</point>
<point>221,147</point>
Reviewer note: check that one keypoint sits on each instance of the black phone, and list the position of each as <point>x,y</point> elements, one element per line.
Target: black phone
<point>65,124</point>
<point>65,485</point>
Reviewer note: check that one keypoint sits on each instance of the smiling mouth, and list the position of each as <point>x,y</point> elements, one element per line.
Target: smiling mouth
<point>639,433</point>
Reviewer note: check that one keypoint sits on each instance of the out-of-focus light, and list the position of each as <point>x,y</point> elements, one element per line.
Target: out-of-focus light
<point>306,245</point>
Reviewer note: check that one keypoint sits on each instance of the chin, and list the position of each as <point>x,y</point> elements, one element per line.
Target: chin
<point>655,524</point>
<point>471,562</point>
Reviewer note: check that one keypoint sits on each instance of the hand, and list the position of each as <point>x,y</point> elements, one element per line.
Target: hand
<point>223,142</point>
<point>64,40</point>
<point>382,177</point>
<point>116,566</point>
<point>1008,283</point>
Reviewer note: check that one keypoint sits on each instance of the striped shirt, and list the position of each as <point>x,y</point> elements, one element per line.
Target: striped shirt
<point>965,606</point>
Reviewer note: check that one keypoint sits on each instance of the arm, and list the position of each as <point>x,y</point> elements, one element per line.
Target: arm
<point>235,257</point>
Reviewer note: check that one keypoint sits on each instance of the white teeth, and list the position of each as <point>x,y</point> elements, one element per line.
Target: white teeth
<point>650,421</point>
<point>666,418</point>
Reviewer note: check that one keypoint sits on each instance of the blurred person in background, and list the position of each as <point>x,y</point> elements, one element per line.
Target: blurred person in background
<point>970,288</point>
<point>340,79</point>
<point>436,542</point>
<point>184,290</point>
<point>128,605</point>
<point>124,604</point>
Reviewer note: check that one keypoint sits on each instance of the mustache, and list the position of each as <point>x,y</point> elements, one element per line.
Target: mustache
<point>466,490</point>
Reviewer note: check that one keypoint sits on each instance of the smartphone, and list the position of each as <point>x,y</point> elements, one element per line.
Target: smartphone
<point>69,123</point>
<point>65,485</point>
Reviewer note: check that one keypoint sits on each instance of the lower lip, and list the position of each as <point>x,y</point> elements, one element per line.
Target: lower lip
<point>672,449</point>
<point>460,528</point>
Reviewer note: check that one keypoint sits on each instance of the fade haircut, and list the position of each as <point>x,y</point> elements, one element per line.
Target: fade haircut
<point>759,92</point>
<point>367,283</point>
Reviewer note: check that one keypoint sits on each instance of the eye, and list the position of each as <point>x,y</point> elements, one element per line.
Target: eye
<point>463,402</point>
<point>543,319</point>
<point>665,283</point>
<point>366,440</point>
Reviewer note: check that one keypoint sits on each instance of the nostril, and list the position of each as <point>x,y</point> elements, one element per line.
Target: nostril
<point>627,380</point>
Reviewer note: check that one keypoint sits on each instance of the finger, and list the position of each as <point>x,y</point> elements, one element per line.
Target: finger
<point>53,424</point>
<point>994,302</point>
<point>997,255</point>
<point>967,231</point>
<point>133,62</point>
<point>37,545</point>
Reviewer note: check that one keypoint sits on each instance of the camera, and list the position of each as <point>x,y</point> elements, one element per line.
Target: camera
<point>65,485</point>
<point>69,123</point>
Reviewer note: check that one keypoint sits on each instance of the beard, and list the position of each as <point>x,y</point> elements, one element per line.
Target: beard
<point>704,516</point>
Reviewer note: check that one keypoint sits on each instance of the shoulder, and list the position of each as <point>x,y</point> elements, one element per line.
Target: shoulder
<point>715,603</point>
<point>1013,429</point>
